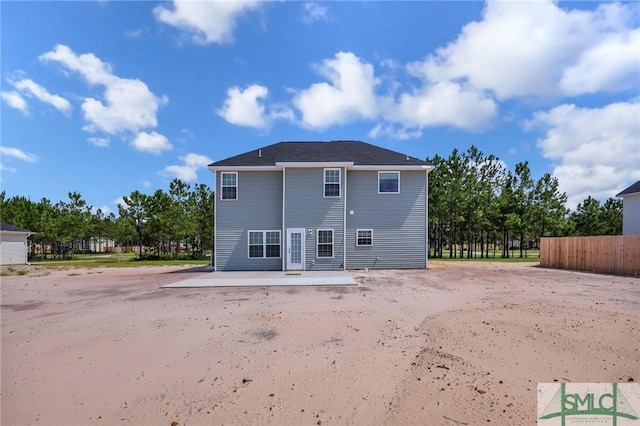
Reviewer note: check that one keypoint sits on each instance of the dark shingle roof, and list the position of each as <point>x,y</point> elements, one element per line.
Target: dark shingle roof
<point>360,153</point>
<point>4,226</point>
<point>633,189</point>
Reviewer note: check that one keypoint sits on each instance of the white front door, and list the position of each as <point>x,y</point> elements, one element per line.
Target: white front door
<point>295,249</point>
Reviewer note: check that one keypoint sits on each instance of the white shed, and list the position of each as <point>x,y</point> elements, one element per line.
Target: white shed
<point>631,209</point>
<point>13,244</point>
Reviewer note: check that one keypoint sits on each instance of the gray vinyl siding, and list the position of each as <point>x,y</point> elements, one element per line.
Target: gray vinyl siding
<point>258,208</point>
<point>306,207</point>
<point>398,221</point>
<point>13,249</point>
<point>631,214</point>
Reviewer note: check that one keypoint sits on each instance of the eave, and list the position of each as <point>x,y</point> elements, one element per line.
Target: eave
<point>243,168</point>
<point>416,167</point>
<point>27,234</point>
<point>313,164</point>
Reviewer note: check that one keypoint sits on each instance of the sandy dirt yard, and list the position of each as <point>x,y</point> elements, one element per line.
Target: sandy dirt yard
<point>461,343</point>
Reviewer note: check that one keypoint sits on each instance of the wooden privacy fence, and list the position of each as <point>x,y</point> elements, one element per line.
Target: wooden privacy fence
<point>617,254</point>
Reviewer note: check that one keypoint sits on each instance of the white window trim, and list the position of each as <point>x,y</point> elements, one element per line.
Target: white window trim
<point>333,238</point>
<point>364,245</point>
<point>389,171</point>
<point>222,186</point>
<point>324,184</point>
<point>264,243</point>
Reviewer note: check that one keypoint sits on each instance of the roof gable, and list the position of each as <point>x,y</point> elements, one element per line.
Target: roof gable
<point>360,153</point>
<point>633,189</point>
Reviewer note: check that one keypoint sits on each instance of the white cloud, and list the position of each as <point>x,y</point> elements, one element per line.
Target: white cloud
<point>611,65</point>
<point>153,142</point>
<point>7,169</point>
<point>517,50</point>
<point>207,21</point>
<point>247,108</point>
<point>99,142</point>
<point>19,154</point>
<point>348,96</point>
<point>548,50</point>
<point>30,88</point>
<point>598,149</point>
<point>88,65</point>
<point>188,170</point>
<point>243,107</point>
<point>128,105</point>
<point>442,104</point>
<point>15,100</point>
<point>395,132</point>
<point>314,12</point>
<point>279,111</point>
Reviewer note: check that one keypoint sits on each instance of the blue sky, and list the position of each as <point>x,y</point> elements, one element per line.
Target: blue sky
<point>109,97</point>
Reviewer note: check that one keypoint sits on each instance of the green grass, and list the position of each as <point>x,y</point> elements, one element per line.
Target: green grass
<point>128,260</point>
<point>13,270</point>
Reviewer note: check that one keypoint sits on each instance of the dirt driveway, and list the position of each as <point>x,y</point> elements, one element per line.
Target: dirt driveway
<point>460,343</point>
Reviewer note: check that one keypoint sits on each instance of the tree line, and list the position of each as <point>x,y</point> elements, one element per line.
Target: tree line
<point>477,208</point>
<point>176,223</point>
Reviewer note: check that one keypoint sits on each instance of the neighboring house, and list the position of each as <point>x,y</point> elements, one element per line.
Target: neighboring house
<point>320,206</point>
<point>631,209</point>
<point>13,244</point>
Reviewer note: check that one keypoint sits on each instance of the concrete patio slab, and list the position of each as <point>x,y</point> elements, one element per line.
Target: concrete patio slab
<point>266,278</point>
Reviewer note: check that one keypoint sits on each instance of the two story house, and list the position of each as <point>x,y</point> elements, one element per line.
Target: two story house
<point>321,206</point>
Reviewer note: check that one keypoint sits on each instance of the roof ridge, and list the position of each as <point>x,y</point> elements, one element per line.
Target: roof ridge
<point>358,152</point>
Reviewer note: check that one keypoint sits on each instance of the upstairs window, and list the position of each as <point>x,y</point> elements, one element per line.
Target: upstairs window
<point>332,182</point>
<point>229,185</point>
<point>388,182</point>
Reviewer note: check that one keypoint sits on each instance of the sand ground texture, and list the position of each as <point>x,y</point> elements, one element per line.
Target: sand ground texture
<point>460,343</point>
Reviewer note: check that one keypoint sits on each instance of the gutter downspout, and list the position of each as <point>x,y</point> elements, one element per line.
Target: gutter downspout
<point>214,254</point>
<point>344,224</point>
<point>284,231</point>
<point>426,218</point>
